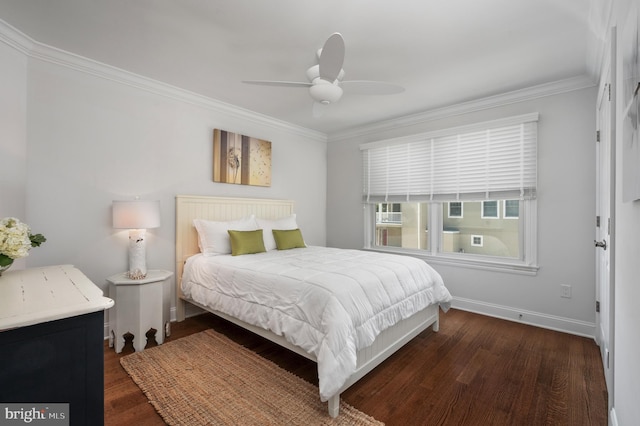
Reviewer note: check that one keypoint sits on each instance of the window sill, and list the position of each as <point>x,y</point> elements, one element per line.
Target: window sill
<point>472,262</point>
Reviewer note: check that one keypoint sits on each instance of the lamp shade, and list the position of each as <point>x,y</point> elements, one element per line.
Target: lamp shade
<point>136,214</point>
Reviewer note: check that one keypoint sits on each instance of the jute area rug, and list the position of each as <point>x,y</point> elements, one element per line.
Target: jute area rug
<point>207,379</point>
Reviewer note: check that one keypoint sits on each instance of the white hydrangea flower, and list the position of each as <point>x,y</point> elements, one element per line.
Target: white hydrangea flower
<point>14,238</point>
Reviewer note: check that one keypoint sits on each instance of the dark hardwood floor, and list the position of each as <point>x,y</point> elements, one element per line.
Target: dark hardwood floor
<point>476,370</point>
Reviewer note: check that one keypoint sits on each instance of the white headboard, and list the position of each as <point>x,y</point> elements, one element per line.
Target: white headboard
<point>189,207</point>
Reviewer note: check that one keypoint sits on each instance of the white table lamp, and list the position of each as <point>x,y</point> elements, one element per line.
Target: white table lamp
<point>137,216</point>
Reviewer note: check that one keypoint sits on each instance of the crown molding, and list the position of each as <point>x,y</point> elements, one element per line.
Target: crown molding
<point>522,95</point>
<point>15,39</point>
<point>35,50</point>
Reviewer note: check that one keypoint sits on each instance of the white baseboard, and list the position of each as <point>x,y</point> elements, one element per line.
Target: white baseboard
<point>613,420</point>
<point>538,319</point>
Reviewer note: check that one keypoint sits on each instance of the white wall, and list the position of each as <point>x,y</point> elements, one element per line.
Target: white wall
<point>566,211</point>
<point>13,139</point>
<point>92,139</point>
<point>13,134</point>
<point>626,387</point>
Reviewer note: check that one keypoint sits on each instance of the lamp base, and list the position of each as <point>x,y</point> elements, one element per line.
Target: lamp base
<point>136,275</point>
<point>137,254</point>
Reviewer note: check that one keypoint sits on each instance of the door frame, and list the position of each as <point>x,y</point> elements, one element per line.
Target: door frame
<point>607,93</point>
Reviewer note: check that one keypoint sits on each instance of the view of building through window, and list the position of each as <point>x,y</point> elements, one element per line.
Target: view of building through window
<point>402,225</point>
<point>490,228</point>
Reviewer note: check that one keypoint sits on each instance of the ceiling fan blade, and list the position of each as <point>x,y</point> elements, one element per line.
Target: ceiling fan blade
<point>278,83</point>
<point>331,57</point>
<point>366,87</point>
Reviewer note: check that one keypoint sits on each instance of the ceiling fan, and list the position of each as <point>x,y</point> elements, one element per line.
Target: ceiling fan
<point>326,84</point>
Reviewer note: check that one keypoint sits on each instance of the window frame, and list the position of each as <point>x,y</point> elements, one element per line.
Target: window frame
<point>473,238</point>
<point>461,210</point>
<point>504,210</point>
<point>482,212</point>
<point>387,176</point>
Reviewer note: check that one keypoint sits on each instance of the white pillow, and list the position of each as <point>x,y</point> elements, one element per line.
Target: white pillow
<point>213,237</point>
<point>268,225</point>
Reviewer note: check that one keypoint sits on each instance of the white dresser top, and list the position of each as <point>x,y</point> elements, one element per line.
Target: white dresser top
<point>37,295</point>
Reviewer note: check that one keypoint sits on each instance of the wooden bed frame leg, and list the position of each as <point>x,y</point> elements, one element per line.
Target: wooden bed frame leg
<point>334,405</point>
<point>180,309</point>
<point>436,326</point>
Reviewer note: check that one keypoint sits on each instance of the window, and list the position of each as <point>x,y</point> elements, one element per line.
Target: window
<point>455,209</point>
<point>490,210</point>
<point>475,235</point>
<point>477,240</point>
<point>408,229</point>
<point>511,209</point>
<point>438,189</point>
<point>406,226</point>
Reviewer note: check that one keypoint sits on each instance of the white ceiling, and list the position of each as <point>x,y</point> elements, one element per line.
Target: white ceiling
<point>443,52</point>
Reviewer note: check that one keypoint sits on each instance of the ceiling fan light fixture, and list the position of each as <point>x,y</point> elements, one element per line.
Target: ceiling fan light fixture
<point>325,92</point>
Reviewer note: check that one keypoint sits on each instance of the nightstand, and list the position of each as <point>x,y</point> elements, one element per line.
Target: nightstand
<point>140,306</point>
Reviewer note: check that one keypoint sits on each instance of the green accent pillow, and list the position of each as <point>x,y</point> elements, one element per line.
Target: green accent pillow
<point>288,238</point>
<point>246,242</point>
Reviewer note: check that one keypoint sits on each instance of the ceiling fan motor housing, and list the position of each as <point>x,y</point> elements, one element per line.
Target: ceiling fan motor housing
<point>314,72</point>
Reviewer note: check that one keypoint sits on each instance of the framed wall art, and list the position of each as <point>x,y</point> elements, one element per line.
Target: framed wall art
<point>240,159</point>
<point>631,116</point>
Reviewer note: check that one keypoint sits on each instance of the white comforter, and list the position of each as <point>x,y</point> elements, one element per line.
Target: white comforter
<point>330,302</point>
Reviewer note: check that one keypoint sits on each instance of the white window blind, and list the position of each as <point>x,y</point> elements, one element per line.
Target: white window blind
<point>489,161</point>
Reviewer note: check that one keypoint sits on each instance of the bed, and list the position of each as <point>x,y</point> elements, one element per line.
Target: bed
<point>312,277</point>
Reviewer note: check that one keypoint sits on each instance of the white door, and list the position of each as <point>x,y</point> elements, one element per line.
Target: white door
<point>605,192</point>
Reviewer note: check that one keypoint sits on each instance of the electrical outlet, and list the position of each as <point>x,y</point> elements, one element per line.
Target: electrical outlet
<point>565,291</point>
